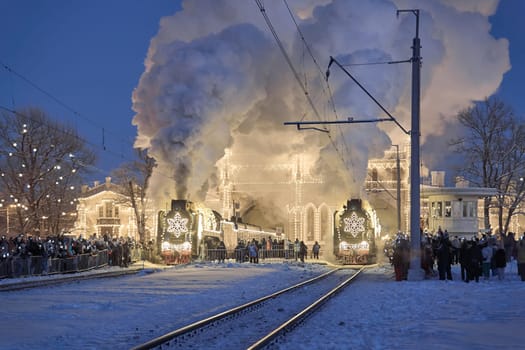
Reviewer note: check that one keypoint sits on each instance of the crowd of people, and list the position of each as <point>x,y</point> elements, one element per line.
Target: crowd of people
<point>36,252</point>
<point>478,257</point>
<point>268,248</point>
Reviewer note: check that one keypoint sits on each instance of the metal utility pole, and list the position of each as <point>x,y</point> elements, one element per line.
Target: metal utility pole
<point>415,210</point>
<point>398,199</point>
<point>415,272</point>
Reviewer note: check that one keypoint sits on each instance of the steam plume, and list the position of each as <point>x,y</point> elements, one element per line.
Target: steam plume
<point>215,80</point>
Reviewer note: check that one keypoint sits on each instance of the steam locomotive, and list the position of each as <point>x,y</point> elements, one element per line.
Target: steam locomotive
<point>188,230</point>
<point>183,228</point>
<point>354,234</point>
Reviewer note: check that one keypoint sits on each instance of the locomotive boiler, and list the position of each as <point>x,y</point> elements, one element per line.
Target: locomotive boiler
<point>354,234</point>
<point>182,229</point>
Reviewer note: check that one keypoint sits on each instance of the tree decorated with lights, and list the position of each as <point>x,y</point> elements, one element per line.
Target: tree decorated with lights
<point>41,164</point>
<point>133,177</point>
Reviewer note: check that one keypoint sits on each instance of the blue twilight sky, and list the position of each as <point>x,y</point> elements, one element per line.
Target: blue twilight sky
<point>90,55</point>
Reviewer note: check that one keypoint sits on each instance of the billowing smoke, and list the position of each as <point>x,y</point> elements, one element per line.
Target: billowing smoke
<point>215,80</point>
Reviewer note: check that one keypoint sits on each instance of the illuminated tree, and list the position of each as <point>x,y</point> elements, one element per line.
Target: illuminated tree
<point>133,177</point>
<point>41,163</point>
<point>494,150</point>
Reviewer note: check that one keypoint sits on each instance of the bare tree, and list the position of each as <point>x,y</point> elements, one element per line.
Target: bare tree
<point>133,177</point>
<point>41,167</point>
<point>494,150</point>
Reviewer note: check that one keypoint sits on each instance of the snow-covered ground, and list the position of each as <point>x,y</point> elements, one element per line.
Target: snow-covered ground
<point>376,313</point>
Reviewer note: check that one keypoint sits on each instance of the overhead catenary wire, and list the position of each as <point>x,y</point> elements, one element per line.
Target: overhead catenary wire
<point>296,74</point>
<point>330,94</point>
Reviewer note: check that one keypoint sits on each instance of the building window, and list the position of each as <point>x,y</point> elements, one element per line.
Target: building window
<point>437,209</point>
<point>310,217</point>
<point>109,209</point>
<point>456,209</point>
<point>101,211</point>
<point>116,212</point>
<point>325,223</point>
<point>469,209</point>
<point>448,209</point>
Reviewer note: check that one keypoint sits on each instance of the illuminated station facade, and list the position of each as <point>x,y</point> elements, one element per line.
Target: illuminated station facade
<point>226,214</point>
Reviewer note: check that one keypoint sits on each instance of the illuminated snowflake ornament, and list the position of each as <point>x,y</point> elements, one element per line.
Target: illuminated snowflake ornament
<point>354,225</point>
<point>177,225</point>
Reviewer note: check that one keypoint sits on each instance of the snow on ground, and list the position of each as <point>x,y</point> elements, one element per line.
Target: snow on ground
<point>375,313</point>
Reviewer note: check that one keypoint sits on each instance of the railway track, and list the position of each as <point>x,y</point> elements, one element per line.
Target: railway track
<point>73,277</point>
<point>258,323</point>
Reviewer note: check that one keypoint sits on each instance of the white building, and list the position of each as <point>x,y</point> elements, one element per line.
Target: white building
<point>455,209</point>
<point>103,210</point>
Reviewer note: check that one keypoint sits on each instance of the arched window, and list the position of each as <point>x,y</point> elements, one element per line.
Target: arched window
<point>325,223</point>
<point>310,220</point>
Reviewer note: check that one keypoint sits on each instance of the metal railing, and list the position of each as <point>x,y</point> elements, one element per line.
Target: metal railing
<point>16,266</point>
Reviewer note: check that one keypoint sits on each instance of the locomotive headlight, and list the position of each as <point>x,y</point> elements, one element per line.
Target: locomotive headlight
<point>186,246</point>
<point>166,246</point>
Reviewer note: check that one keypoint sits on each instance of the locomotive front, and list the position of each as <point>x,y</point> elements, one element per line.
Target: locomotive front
<point>354,236</point>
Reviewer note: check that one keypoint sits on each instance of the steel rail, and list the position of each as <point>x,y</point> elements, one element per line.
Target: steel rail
<point>71,277</point>
<point>199,324</point>
<point>261,343</point>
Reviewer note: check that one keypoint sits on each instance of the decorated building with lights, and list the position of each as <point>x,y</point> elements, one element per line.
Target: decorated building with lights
<point>104,210</point>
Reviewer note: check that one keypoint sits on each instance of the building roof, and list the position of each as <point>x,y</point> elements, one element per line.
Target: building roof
<point>427,191</point>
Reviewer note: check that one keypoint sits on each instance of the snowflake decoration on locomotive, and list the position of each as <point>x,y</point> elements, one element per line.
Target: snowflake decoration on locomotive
<point>177,225</point>
<point>354,225</point>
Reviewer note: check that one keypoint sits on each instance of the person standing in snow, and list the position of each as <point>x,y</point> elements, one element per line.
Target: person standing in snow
<point>221,248</point>
<point>296,248</point>
<point>303,251</point>
<point>520,257</point>
<point>474,258</point>
<point>444,257</point>
<point>487,253</point>
<point>500,262</point>
<point>315,250</point>
<point>253,252</point>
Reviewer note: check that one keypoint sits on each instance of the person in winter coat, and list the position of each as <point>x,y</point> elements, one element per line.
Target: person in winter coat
<point>487,251</point>
<point>520,257</point>
<point>500,261</point>
<point>296,248</point>
<point>401,258</point>
<point>315,250</point>
<point>221,249</point>
<point>444,258</point>
<point>474,258</point>
<point>303,251</point>
<point>253,252</point>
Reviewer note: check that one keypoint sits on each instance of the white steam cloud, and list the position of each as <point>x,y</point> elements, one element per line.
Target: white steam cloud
<point>215,80</point>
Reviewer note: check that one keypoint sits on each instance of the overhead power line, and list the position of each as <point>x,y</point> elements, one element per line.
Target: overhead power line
<point>296,74</point>
<point>64,105</point>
